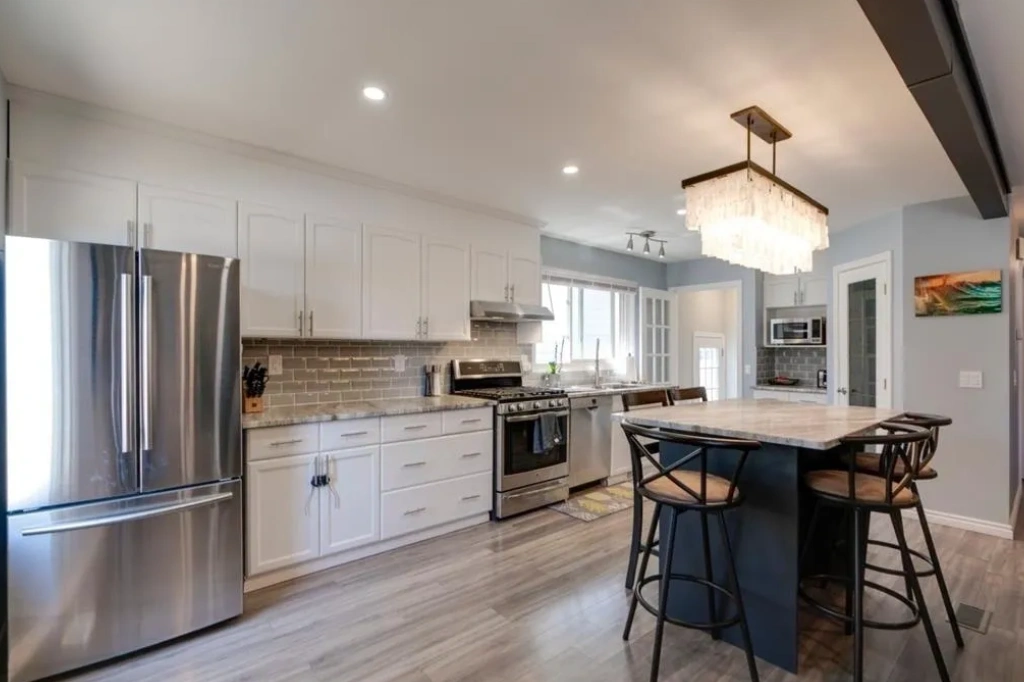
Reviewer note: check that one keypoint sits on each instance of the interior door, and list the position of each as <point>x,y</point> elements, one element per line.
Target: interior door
<point>445,290</point>
<point>658,332</point>
<point>189,377</point>
<point>271,248</point>
<point>709,363</point>
<point>391,284</point>
<point>489,274</point>
<point>189,222</point>
<point>863,334</point>
<point>334,278</point>
<point>70,344</point>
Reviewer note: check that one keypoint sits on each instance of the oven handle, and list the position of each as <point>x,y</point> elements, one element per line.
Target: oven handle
<point>534,417</point>
<point>548,489</point>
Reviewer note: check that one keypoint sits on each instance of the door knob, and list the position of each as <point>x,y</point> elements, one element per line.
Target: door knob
<point>841,390</point>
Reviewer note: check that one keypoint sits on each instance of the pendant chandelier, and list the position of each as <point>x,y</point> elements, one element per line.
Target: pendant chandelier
<point>751,217</point>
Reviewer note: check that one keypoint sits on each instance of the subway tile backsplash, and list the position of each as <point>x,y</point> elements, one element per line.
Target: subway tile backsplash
<point>326,371</point>
<point>794,362</point>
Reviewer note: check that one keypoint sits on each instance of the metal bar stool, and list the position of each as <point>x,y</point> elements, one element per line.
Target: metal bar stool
<point>861,495</point>
<point>682,490</point>
<point>632,401</point>
<point>871,463</point>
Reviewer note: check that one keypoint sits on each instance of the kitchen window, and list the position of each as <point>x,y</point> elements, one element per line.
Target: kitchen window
<point>587,310</point>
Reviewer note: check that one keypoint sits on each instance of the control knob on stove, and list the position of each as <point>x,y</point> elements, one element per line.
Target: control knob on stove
<point>538,405</point>
<point>514,407</point>
<point>552,403</point>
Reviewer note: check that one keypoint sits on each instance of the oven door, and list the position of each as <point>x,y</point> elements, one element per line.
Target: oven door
<point>518,463</point>
<point>785,332</point>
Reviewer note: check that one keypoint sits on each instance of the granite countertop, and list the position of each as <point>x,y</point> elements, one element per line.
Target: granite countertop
<point>802,425</point>
<point>325,412</point>
<point>792,389</point>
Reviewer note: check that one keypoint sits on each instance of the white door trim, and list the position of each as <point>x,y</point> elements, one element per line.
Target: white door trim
<point>885,259</point>
<point>737,285</point>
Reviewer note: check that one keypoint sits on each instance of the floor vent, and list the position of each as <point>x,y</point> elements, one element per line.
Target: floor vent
<point>973,618</point>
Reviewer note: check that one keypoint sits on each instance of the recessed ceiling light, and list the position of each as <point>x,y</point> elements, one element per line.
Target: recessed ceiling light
<point>681,211</point>
<point>374,94</point>
<point>571,170</point>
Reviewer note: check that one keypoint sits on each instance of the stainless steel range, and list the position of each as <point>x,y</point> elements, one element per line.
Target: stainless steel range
<point>529,471</point>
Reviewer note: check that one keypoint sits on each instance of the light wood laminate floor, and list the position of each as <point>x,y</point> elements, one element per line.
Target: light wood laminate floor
<point>540,598</point>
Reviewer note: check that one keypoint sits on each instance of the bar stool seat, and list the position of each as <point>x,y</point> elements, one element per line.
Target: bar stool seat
<point>867,488</point>
<point>665,491</point>
<point>869,463</point>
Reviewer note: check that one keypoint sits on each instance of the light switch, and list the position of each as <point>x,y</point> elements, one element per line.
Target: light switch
<point>746,369</point>
<point>971,379</point>
<point>274,365</point>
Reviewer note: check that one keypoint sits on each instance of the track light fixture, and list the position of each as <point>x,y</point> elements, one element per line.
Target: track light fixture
<point>648,237</point>
<point>629,244</point>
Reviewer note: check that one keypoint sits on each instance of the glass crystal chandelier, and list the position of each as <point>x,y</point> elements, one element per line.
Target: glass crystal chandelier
<point>749,216</point>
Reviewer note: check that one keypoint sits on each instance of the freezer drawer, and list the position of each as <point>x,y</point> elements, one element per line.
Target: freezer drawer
<point>98,580</point>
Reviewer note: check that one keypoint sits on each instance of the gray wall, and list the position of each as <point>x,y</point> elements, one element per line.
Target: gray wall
<point>557,253</point>
<point>3,156</point>
<point>710,270</point>
<point>949,236</point>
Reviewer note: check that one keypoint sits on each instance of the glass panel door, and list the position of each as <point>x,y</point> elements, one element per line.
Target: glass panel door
<point>863,334</point>
<point>862,312</point>
<point>656,333</point>
<point>709,363</point>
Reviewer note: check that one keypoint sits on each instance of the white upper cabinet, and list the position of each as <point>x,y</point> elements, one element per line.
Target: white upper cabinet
<point>391,284</point>
<point>350,503</point>
<point>813,290</point>
<point>270,244</point>
<point>71,206</point>
<point>445,290</point>
<point>189,222</point>
<point>781,291</point>
<point>334,278</point>
<point>489,275</point>
<point>524,279</point>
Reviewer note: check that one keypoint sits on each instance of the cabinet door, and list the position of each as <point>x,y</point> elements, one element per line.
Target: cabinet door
<point>524,279</point>
<point>489,279</point>
<point>334,278</point>
<point>350,504</point>
<point>188,222</point>
<point>813,290</point>
<point>282,513</point>
<point>71,206</point>
<point>781,292</point>
<point>391,284</point>
<point>270,244</point>
<point>445,290</point>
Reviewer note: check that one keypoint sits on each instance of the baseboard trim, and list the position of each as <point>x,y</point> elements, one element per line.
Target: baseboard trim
<point>258,582</point>
<point>998,530</point>
<point>1015,510</point>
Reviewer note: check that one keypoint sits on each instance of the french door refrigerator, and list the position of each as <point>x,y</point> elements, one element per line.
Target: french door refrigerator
<point>123,444</point>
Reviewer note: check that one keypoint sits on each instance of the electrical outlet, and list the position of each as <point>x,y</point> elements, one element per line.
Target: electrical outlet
<point>746,370</point>
<point>274,365</point>
<point>971,379</point>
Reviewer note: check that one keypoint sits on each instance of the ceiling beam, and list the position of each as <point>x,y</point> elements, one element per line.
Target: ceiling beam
<point>925,40</point>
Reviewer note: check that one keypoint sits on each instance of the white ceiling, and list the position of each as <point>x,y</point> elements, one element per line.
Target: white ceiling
<point>993,29</point>
<point>490,98</point>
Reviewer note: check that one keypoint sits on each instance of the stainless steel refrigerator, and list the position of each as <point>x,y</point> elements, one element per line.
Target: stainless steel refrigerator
<point>123,445</point>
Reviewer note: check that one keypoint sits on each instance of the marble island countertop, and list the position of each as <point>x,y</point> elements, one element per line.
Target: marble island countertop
<point>323,412</point>
<point>583,391</point>
<point>802,425</point>
<point>792,389</point>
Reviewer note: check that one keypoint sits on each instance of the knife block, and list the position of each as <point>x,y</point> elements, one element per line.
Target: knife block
<point>252,405</point>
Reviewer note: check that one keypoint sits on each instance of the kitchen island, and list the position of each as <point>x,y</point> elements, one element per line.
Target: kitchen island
<point>767,530</point>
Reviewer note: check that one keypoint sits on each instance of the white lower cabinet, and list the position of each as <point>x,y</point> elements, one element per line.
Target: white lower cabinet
<point>791,396</point>
<point>350,504</point>
<point>282,514</point>
<point>412,509</point>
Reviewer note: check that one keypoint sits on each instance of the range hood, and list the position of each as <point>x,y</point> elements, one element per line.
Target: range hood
<point>507,311</point>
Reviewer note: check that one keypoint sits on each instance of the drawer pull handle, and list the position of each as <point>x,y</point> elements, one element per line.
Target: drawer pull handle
<point>414,464</point>
<point>417,510</point>
<point>415,427</point>
<point>472,421</point>
<point>293,441</point>
<point>354,433</point>
<point>470,497</point>
<point>471,454</point>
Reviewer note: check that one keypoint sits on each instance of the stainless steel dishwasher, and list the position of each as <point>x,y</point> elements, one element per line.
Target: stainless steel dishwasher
<point>590,439</point>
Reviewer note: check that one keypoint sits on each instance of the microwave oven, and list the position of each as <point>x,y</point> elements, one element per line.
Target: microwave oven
<point>807,331</point>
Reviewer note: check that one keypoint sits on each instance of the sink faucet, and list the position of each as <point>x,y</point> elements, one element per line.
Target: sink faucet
<point>597,364</point>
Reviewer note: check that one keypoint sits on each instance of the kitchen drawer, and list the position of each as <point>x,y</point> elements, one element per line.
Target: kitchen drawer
<point>423,461</point>
<point>816,398</point>
<point>410,426</point>
<point>282,441</point>
<point>770,395</point>
<point>350,433</point>
<point>413,509</point>
<point>461,421</point>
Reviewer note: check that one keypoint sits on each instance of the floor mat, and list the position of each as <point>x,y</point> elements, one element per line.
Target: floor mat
<point>595,503</point>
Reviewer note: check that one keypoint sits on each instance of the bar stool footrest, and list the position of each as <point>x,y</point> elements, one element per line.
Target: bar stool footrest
<point>923,573</point>
<point>653,610</point>
<point>840,615</point>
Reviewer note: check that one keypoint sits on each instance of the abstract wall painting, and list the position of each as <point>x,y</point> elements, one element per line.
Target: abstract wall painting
<point>959,293</point>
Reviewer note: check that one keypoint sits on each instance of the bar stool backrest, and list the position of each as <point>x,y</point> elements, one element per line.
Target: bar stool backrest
<point>680,395</point>
<point>645,399</point>
<point>900,441</point>
<point>641,452</point>
<point>932,422</point>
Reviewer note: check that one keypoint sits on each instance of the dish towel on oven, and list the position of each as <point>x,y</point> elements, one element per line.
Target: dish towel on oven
<point>547,433</point>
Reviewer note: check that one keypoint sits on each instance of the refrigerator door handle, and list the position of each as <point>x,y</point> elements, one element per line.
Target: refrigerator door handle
<point>145,362</point>
<point>127,343</point>
<point>126,517</point>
